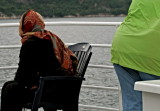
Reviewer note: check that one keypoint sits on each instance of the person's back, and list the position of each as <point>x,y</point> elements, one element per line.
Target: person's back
<point>136,41</point>
<point>36,59</point>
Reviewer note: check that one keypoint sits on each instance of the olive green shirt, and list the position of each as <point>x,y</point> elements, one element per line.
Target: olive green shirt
<point>136,43</point>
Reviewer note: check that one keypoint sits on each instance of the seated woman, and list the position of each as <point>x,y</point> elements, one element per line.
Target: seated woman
<point>42,53</point>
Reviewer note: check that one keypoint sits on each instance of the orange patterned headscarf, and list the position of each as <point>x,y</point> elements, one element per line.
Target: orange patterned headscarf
<point>32,24</point>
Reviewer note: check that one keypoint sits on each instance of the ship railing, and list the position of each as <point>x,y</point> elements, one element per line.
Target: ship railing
<point>68,23</point>
<point>76,23</point>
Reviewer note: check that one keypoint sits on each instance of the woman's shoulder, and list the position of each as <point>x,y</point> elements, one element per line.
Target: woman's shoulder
<point>35,43</point>
<point>36,40</point>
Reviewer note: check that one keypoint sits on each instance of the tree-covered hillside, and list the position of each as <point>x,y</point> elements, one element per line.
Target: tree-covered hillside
<point>61,8</point>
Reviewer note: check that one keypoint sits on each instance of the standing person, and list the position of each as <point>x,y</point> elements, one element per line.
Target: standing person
<point>135,50</point>
<point>42,54</point>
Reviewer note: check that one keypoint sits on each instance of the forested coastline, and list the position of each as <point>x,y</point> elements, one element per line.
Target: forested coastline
<point>64,8</point>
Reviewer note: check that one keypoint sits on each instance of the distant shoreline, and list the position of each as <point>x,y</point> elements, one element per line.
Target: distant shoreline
<point>69,16</point>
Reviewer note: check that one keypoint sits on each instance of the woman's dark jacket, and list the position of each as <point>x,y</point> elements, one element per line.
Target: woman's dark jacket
<point>36,58</point>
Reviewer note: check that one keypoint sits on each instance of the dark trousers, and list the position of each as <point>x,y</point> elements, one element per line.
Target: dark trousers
<point>14,96</point>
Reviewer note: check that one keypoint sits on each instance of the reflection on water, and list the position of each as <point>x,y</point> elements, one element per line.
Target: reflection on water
<point>73,34</point>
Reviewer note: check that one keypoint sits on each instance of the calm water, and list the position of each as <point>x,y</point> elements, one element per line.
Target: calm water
<point>73,34</point>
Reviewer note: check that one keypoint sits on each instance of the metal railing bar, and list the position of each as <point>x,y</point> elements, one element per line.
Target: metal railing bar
<point>96,87</point>
<point>90,65</point>
<point>98,107</point>
<point>9,24</point>
<point>95,45</point>
<point>8,67</point>
<point>66,23</point>
<point>100,66</point>
<point>101,87</point>
<point>102,45</point>
<point>10,46</point>
<point>82,23</point>
<point>18,46</point>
